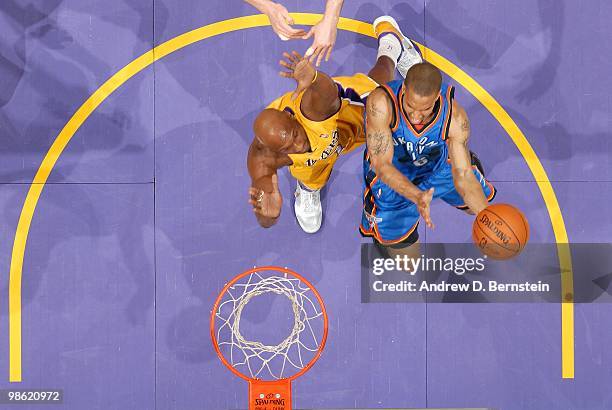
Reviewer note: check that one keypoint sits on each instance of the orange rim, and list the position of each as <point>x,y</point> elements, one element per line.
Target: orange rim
<point>236,279</point>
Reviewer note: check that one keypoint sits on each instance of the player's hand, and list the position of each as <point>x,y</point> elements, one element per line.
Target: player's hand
<point>324,33</point>
<point>267,204</point>
<point>281,22</point>
<point>300,70</point>
<point>422,202</point>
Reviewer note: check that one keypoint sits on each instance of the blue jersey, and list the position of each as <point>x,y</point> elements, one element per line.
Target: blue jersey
<point>422,156</point>
<point>418,153</point>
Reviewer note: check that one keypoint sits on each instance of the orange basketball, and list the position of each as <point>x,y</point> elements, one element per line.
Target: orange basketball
<point>500,231</point>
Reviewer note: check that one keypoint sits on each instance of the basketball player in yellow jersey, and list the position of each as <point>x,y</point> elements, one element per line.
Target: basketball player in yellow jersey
<point>307,129</point>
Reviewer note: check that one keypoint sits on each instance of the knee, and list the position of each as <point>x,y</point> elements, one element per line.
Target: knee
<point>407,251</point>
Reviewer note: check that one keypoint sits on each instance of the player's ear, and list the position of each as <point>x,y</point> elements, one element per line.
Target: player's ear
<point>290,112</point>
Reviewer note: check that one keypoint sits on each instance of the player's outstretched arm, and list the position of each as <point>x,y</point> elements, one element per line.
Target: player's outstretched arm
<point>463,175</point>
<point>279,17</point>
<point>320,99</point>
<point>380,149</point>
<point>324,33</point>
<point>264,195</point>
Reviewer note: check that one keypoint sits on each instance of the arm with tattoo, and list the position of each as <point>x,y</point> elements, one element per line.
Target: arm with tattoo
<point>463,176</point>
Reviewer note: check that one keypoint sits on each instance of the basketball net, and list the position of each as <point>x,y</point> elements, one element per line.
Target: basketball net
<point>269,368</point>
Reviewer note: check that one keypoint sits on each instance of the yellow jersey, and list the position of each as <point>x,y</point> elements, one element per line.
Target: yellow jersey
<point>340,133</point>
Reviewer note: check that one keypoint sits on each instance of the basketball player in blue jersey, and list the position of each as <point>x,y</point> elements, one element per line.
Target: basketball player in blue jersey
<point>416,150</point>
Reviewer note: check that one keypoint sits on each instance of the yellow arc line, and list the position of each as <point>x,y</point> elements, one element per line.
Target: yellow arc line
<point>550,200</point>
<point>241,23</point>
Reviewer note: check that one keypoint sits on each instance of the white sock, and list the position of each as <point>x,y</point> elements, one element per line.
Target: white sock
<point>390,46</point>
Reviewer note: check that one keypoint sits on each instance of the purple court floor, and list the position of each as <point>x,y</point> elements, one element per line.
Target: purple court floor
<point>144,216</point>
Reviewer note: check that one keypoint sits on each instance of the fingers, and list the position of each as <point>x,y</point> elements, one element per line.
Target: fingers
<point>329,50</point>
<point>291,32</point>
<point>427,218</point>
<point>281,22</point>
<point>260,212</point>
<point>424,209</point>
<point>293,58</point>
<point>314,53</point>
<point>286,32</point>
<point>289,58</point>
<point>257,202</point>
<point>256,197</point>
<point>288,66</point>
<point>322,52</point>
<point>254,193</point>
<point>283,28</point>
<point>310,33</point>
<point>275,183</point>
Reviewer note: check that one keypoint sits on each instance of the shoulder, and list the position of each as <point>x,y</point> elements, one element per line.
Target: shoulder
<point>379,103</point>
<point>458,112</point>
<point>259,152</point>
<point>460,124</point>
<point>380,95</point>
<point>260,156</point>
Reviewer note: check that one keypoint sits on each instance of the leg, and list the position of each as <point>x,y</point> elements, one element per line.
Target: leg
<point>383,71</point>
<point>394,231</point>
<point>307,207</point>
<point>395,45</point>
<point>405,251</point>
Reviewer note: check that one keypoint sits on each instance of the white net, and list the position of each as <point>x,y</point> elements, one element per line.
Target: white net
<point>268,361</point>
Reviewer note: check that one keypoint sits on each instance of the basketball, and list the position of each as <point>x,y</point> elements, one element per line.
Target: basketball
<point>500,231</point>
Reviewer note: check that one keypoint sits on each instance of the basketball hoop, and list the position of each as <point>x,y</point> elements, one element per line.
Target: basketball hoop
<point>269,368</point>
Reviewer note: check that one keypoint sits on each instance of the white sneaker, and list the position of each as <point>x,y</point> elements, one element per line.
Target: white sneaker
<point>308,210</point>
<point>410,54</point>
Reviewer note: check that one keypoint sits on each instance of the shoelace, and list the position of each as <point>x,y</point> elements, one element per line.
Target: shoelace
<point>407,63</point>
<point>310,200</point>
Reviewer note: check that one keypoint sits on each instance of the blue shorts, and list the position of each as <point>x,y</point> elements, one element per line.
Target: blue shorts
<point>390,218</point>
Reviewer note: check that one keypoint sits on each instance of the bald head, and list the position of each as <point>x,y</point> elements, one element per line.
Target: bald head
<point>281,132</point>
<point>272,127</point>
<point>423,79</point>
